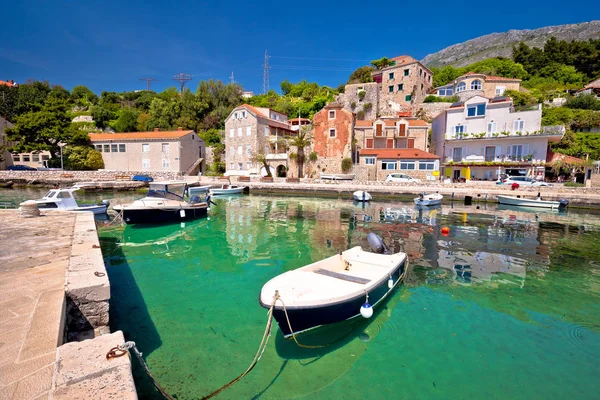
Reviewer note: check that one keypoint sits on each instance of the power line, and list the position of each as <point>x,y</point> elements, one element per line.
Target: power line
<point>148,83</point>
<point>266,73</point>
<point>182,79</point>
<point>310,68</point>
<point>322,59</point>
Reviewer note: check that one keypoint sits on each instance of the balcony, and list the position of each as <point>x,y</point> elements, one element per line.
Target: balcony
<point>501,160</point>
<point>553,133</point>
<point>277,157</point>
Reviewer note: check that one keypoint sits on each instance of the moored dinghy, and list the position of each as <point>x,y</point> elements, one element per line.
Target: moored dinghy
<point>537,202</point>
<point>62,199</point>
<point>335,289</point>
<point>427,200</point>
<point>361,195</point>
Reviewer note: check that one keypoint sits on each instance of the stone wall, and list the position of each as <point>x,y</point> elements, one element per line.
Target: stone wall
<point>350,96</point>
<point>81,176</point>
<point>428,111</point>
<point>337,146</point>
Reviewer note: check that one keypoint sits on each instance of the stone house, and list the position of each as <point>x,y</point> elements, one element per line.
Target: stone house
<point>377,164</point>
<point>402,86</point>
<point>180,151</point>
<point>332,137</point>
<point>392,133</point>
<point>482,137</point>
<point>473,84</point>
<point>251,130</point>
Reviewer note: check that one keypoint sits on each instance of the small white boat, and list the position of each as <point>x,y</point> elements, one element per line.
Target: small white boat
<point>429,199</point>
<point>338,177</point>
<point>63,200</point>
<point>227,189</point>
<point>537,202</point>
<point>335,289</point>
<point>198,190</point>
<point>361,195</point>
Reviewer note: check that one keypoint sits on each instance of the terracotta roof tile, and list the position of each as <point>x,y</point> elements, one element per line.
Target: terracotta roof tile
<point>10,83</point>
<point>403,60</point>
<point>271,122</point>
<point>96,137</point>
<point>390,122</point>
<point>409,154</point>
<point>552,157</point>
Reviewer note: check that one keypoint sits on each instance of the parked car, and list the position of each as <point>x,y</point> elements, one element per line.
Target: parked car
<point>401,178</point>
<point>523,181</point>
<point>21,168</point>
<point>142,178</point>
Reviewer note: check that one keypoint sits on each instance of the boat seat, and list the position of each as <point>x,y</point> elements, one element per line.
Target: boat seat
<point>345,277</point>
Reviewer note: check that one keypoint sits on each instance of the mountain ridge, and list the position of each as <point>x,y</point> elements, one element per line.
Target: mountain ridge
<point>499,44</point>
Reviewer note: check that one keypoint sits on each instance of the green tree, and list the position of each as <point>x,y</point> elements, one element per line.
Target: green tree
<point>261,158</point>
<point>300,142</point>
<point>361,75</point>
<point>163,114</point>
<point>381,63</point>
<point>82,96</point>
<point>31,96</point>
<point>584,102</point>
<point>127,120</point>
<point>102,116</point>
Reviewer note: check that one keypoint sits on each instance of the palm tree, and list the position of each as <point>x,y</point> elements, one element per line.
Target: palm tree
<point>260,157</point>
<point>300,141</point>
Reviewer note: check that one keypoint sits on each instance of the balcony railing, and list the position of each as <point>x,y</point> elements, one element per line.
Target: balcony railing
<point>545,131</point>
<point>496,160</point>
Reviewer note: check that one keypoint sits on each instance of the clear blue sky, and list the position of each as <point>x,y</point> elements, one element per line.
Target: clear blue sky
<point>110,45</point>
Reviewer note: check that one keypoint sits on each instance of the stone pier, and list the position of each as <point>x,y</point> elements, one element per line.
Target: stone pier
<point>36,255</point>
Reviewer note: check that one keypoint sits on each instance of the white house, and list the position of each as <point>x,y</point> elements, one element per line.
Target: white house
<point>482,137</point>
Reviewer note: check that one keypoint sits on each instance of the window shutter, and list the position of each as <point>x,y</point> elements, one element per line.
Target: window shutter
<point>525,149</point>
<point>498,151</point>
<point>402,130</point>
<point>411,143</point>
<point>483,151</point>
<point>369,143</point>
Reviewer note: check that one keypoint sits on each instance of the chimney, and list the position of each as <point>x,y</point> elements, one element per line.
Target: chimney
<point>180,129</point>
<point>156,129</point>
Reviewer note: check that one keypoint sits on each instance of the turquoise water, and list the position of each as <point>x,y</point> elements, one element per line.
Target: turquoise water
<point>507,305</point>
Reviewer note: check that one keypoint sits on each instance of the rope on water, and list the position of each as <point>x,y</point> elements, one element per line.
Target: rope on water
<point>306,346</point>
<point>121,350</point>
<point>118,217</point>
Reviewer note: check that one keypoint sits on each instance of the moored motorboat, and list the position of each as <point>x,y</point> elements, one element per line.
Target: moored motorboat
<point>338,177</point>
<point>63,200</point>
<point>361,195</point>
<point>226,189</point>
<point>429,199</point>
<point>537,202</point>
<point>164,203</point>
<point>334,289</point>
<point>198,190</point>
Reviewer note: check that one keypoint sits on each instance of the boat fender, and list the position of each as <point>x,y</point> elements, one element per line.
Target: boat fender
<point>390,283</point>
<point>377,244</point>
<point>182,213</point>
<point>366,310</point>
<point>106,203</point>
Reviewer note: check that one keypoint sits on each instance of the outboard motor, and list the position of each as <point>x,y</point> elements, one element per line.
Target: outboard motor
<point>105,203</point>
<point>562,204</point>
<point>377,244</point>
<point>209,201</point>
<point>194,199</point>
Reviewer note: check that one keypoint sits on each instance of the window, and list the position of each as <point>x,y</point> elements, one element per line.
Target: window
<point>421,87</point>
<point>407,165</point>
<point>122,148</point>
<point>391,89</point>
<point>35,157</point>
<point>369,144</point>
<point>411,143</point>
<point>99,147</point>
<point>107,148</point>
<point>445,92</point>
<point>114,148</point>
<point>231,132</point>
<point>406,72</point>
<point>267,132</point>
<point>408,97</point>
<point>476,85</point>
<point>231,166</point>
<point>461,87</point>
<point>401,129</point>
<point>232,151</point>
<point>401,87</point>
<point>427,165</point>
<point>145,163</point>
<point>457,154</point>
<point>17,157</point>
<point>388,165</point>
<point>166,163</point>
<point>248,149</point>
<point>249,130</point>
<point>240,150</point>
<point>331,114</point>
<point>490,153</point>
<point>240,166</point>
<point>145,148</point>
<point>370,160</point>
<point>476,110</point>
<point>243,114</point>
<point>492,127</point>
<point>26,158</point>
<point>332,133</point>
<point>248,165</point>
<point>420,72</point>
<point>165,147</point>
<point>45,157</point>
<point>240,131</point>
<point>459,130</point>
<point>235,115</point>
<point>515,152</point>
<point>379,130</point>
<point>389,144</point>
<point>391,75</point>
<point>500,90</point>
<point>518,125</point>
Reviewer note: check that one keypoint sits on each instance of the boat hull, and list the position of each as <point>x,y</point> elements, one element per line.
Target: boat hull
<point>303,319</point>
<point>222,192</point>
<point>97,210</point>
<point>427,203</point>
<point>520,202</point>
<point>158,216</point>
<point>362,196</point>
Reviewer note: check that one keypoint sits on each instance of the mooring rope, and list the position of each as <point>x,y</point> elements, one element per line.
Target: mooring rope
<point>122,349</point>
<point>306,346</point>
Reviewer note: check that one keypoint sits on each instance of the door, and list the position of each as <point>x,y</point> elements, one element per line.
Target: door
<point>390,144</point>
<point>456,174</point>
<point>411,143</point>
